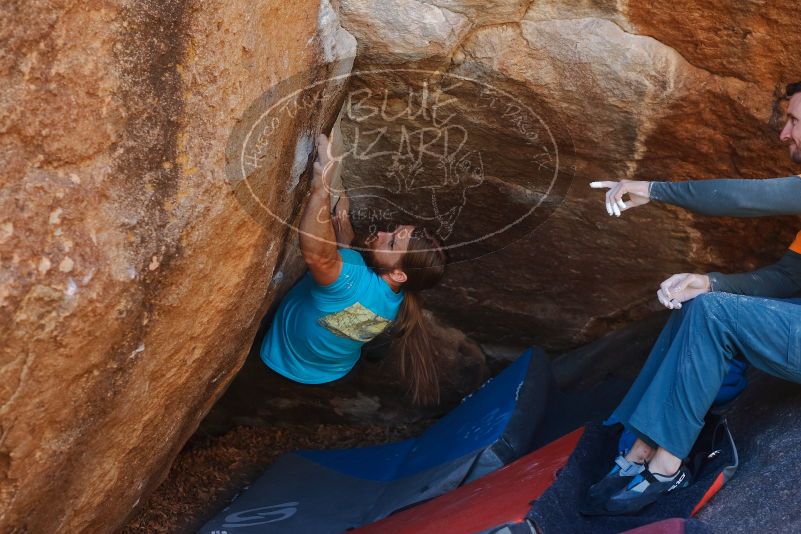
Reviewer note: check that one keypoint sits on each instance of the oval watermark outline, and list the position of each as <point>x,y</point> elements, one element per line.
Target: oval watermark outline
<point>347,76</point>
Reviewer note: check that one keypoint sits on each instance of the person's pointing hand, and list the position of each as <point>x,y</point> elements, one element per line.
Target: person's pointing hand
<point>615,205</point>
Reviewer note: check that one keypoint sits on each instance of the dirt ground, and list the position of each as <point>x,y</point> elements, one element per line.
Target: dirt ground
<point>210,470</point>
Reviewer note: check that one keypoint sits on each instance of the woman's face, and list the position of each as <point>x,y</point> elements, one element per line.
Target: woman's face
<point>388,247</point>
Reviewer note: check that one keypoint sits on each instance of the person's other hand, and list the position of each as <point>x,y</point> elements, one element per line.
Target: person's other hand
<point>681,288</point>
<point>615,205</point>
<point>323,165</point>
<point>343,206</point>
<point>341,220</point>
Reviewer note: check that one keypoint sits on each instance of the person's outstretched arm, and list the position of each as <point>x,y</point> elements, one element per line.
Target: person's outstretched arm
<point>722,197</point>
<point>318,241</point>
<point>732,197</point>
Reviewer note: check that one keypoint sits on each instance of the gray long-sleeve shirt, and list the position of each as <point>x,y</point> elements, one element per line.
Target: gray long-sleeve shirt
<point>744,198</point>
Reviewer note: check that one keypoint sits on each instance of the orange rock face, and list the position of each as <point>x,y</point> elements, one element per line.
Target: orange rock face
<point>132,279</point>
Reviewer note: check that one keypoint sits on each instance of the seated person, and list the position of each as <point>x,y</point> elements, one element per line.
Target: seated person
<point>345,300</point>
<point>717,318</point>
<point>733,384</point>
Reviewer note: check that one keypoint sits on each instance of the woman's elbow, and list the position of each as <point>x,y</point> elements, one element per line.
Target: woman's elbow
<point>317,260</point>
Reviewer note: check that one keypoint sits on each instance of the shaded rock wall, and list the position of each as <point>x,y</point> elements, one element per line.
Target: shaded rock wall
<point>636,90</point>
<point>372,393</point>
<point>132,280</point>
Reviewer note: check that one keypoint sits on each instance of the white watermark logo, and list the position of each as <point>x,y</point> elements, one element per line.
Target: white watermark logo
<point>475,164</point>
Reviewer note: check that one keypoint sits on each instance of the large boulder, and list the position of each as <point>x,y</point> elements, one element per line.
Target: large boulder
<point>541,102</point>
<point>150,186</point>
<point>132,279</point>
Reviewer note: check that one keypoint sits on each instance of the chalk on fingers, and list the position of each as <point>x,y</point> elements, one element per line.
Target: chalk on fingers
<point>597,185</point>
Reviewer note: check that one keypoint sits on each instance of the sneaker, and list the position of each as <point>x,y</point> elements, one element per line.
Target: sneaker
<point>645,489</point>
<point>618,478</point>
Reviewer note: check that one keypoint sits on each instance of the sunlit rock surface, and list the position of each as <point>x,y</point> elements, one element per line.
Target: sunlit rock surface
<point>132,279</point>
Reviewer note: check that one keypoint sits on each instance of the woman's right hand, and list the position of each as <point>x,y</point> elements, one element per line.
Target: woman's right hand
<point>615,205</point>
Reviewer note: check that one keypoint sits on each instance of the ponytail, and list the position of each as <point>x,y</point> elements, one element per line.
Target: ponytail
<point>424,265</point>
<point>415,351</point>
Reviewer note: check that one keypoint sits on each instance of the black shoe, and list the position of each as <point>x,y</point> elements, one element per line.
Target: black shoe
<point>645,489</point>
<point>618,478</point>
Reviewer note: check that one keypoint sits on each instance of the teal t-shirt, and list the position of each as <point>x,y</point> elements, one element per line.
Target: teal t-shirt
<point>318,331</point>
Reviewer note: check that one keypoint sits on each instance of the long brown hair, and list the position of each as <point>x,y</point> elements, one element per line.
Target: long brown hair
<point>424,264</point>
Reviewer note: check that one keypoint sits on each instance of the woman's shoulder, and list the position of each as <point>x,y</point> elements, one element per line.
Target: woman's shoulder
<point>352,257</point>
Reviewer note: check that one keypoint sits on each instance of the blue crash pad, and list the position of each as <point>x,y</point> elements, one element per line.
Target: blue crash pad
<point>331,491</point>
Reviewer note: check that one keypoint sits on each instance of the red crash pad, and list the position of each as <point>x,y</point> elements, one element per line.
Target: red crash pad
<point>674,525</point>
<point>498,498</point>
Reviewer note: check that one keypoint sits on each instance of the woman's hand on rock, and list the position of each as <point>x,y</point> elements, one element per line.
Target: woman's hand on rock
<point>615,205</point>
<point>323,165</point>
<point>680,288</point>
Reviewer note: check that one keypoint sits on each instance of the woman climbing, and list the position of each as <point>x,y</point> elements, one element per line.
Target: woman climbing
<point>345,300</point>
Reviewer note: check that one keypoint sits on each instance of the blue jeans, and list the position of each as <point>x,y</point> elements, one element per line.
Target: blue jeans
<point>683,374</point>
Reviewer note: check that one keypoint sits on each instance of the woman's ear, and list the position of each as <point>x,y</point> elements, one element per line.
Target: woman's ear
<point>398,276</point>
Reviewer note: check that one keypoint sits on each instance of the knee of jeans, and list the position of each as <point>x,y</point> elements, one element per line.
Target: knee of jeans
<point>710,301</point>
